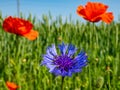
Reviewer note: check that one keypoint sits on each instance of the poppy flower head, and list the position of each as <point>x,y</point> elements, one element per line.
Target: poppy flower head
<point>20,27</point>
<point>94,12</point>
<point>64,64</point>
<point>11,85</point>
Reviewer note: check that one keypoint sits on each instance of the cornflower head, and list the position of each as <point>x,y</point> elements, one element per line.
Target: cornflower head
<point>65,63</point>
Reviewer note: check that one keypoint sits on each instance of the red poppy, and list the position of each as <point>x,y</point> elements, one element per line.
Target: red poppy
<point>11,85</point>
<point>20,27</point>
<point>94,12</point>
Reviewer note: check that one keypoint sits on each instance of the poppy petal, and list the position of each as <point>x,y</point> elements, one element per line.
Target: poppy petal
<point>11,85</point>
<point>95,19</point>
<point>32,35</point>
<point>95,8</point>
<point>81,11</point>
<point>107,17</point>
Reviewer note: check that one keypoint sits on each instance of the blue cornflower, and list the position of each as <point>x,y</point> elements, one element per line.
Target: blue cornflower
<point>66,63</point>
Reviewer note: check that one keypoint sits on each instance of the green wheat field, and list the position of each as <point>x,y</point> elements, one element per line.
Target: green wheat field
<point>20,58</point>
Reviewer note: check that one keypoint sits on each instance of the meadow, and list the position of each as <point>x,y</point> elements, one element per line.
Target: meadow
<point>20,58</point>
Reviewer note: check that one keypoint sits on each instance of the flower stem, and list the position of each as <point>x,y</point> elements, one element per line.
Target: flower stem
<point>62,88</point>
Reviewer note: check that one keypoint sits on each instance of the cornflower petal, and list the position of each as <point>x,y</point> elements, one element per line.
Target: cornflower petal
<point>46,60</point>
<point>63,48</point>
<point>71,50</point>
<point>51,67</point>
<point>49,54</point>
<point>56,71</point>
<point>53,50</point>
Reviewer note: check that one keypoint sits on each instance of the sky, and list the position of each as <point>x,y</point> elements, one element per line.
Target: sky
<point>65,8</point>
